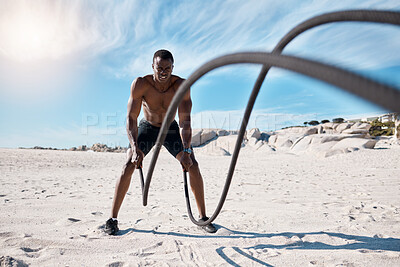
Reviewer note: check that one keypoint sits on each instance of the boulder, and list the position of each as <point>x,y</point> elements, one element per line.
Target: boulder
<point>361,126</point>
<point>196,133</point>
<point>254,143</point>
<point>320,129</point>
<point>329,131</point>
<point>301,144</point>
<point>335,125</point>
<point>207,135</point>
<point>202,136</point>
<point>329,145</point>
<point>356,131</point>
<point>343,126</point>
<point>297,131</point>
<point>358,143</point>
<point>327,138</point>
<point>264,136</point>
<point>221,132</point>
<point>260,147</point>
<point>315,143</point>
<point>254,133</point>
<point>227,142</point>
<point>328,125</point>
<point>283,141</point>
<point>311,130</point>
<point>272,139</point>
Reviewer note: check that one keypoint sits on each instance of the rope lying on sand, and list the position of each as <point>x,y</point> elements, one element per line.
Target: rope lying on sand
<point>375,92</point>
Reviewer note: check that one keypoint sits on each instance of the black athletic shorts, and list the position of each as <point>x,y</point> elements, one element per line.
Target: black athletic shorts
<point>147,137</point>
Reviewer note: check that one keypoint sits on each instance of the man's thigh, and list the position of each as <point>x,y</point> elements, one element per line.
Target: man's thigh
<point>173,141</point>
<point>147,136</point>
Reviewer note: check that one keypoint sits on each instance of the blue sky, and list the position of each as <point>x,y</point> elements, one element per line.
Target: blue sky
<point>66,66</point>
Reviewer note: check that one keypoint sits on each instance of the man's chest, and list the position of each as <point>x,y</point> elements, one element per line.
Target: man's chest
<point>158,101</point>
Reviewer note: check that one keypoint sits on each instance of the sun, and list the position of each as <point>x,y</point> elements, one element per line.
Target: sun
<point>38,47</point>
<point>32,32</point>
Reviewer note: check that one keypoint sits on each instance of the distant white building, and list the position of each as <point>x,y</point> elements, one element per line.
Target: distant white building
<point>389,117</point>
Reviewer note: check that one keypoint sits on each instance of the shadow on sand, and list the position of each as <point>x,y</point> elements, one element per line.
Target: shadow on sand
<point>359,242</point>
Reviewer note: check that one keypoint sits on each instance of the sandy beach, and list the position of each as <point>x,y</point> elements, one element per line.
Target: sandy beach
<point>282,210</point>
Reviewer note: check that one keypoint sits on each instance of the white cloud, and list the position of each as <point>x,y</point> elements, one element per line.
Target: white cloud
<point>195,31</point>
<point>198,31</point>
<point>57,29</point>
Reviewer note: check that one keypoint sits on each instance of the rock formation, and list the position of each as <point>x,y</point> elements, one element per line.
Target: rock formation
<point>325,139</point>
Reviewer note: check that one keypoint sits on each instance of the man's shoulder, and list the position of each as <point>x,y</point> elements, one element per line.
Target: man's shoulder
<point>143,81</point>
<point>176,80</point>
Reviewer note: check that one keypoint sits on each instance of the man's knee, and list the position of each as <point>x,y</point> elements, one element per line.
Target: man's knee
<point>195,164</point>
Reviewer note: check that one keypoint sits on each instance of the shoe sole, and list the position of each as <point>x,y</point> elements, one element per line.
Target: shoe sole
<point>205,230</point>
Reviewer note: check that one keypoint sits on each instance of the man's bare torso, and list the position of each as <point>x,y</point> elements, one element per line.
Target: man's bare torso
<point>155,103</point>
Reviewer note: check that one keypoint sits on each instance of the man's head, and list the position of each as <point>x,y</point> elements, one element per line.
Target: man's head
<point>163,63</point>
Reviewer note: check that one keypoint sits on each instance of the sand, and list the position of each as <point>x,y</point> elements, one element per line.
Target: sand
<point>282,210</point>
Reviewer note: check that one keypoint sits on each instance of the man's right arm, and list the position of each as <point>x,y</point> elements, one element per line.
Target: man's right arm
<point>134,106</point>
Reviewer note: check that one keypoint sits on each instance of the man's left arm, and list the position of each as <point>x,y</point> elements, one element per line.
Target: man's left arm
<point>184,110</point>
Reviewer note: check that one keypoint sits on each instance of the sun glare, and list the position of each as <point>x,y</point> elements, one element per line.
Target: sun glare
<point>30,31</point>
<point>38,45</point>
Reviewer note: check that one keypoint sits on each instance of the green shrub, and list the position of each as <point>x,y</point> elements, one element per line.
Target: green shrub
<point>381,128</point>
<point>313,123</point>
<point>338,120</point>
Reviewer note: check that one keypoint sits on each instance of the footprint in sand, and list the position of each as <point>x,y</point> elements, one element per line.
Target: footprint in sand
<point>73,220</point>
<point>147,251</point>
<point>116,264</point>
<point>6,234</point>
<point>26,249</point>
<point>31,252</point>
<point>67,221</point>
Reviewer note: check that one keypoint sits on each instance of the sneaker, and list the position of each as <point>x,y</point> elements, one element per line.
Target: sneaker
<point>111,227</point>
<point>209,228</point>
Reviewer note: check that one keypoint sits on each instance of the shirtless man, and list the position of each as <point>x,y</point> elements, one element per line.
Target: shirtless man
<point>155,92</point>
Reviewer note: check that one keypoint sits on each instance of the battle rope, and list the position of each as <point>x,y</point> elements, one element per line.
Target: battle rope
<point>383,95</point>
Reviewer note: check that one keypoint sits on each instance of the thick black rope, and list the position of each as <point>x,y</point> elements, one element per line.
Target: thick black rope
<point>349,81</point>
<point>141,178</point>
<point>375,16</point>
<point>378,93</point>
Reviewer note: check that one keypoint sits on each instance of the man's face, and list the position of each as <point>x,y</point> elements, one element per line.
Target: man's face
<point>162,69</point>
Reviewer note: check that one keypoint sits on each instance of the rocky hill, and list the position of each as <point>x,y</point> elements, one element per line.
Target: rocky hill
<point>323,140</point>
